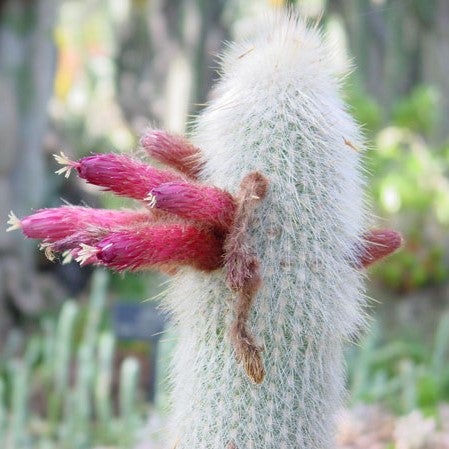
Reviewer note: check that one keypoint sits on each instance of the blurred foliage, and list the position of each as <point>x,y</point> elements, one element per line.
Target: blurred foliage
<point>403,374</point>
<point>409,184</point>
<point>58,391</point>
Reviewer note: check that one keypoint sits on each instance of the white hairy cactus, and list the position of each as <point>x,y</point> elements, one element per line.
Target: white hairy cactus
<point>266,211</point>
<point>277,111</point>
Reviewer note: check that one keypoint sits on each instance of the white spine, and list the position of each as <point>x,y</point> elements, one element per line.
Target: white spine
<point>276,110</point>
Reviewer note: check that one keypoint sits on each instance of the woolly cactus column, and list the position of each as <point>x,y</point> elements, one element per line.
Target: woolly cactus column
<point>276,111</point>
<point>261,222</point>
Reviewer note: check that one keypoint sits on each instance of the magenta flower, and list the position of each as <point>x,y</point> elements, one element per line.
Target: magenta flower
<point>210,205</point>
<point>184,223</point>
<point>173,151</point>
<point>57,223</point>
<point>118,173</point>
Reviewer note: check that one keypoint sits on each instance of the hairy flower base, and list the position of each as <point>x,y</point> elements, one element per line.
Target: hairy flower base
<point>173,150</point>
<point>151,246</point>
<point>195,202</point>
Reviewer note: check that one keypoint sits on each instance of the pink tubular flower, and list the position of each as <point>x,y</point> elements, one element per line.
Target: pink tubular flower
<point>195,202</point>
<point>379,243</point>
<point>173,150</point>
<point>58,223</point>
<point>160,245</point>
<point>209,231</point>
<point>119,174</point>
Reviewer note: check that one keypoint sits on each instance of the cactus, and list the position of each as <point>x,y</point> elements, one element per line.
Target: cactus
<point>61,360</point>
<point>17,436</point>
<point>129,379</point>
<point>276,111</point>
<point>103,379</point>
<point>261,221</point>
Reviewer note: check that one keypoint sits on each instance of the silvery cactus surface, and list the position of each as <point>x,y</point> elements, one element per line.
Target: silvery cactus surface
<point>277,111</point>
<point>260,220</point>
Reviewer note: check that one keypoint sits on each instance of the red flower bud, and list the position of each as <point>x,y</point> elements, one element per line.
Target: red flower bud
<point>379,244</point>
<point>117,173</point>
<point>123,175</point>
<point>58,223</point>
<point>195,202</point>
<point>172,150</point>
<point>151,246</point>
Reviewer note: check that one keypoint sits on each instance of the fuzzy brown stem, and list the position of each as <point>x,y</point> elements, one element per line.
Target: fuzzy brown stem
<point>243,274</point>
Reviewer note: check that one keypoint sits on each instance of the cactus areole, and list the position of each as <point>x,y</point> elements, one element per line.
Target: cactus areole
<point>260,219</point>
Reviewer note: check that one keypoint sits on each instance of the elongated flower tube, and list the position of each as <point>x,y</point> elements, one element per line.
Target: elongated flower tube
<point>173,150</point>
<point>57,223</point>
<point>210,205</point>
<point>277,112</point>
<point>159,245</point>
<point>120,174</point>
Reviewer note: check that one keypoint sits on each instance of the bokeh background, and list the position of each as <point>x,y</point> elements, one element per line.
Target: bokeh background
<point>83,357</point>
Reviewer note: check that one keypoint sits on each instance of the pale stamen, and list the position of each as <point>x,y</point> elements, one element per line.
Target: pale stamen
<point>67,163</point>
<point>66,257</point>
<point>86,252</point>
<point>151,200</point>
<point>14,222</point>
<point>48,251</point>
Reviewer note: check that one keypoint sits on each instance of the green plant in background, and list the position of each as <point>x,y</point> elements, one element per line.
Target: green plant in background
<point>410,182</point>
<point>67,369</point>
<point>403,374</point>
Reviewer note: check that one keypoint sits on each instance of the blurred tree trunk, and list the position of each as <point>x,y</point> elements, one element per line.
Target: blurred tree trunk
<point>27,63</point>
<point>397,45</point>
<point>165,60</point>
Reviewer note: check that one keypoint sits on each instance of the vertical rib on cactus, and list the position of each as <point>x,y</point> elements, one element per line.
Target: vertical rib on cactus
<point>276,111</point>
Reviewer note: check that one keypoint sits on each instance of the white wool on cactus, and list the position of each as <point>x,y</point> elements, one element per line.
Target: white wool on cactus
<point>276,111</point>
